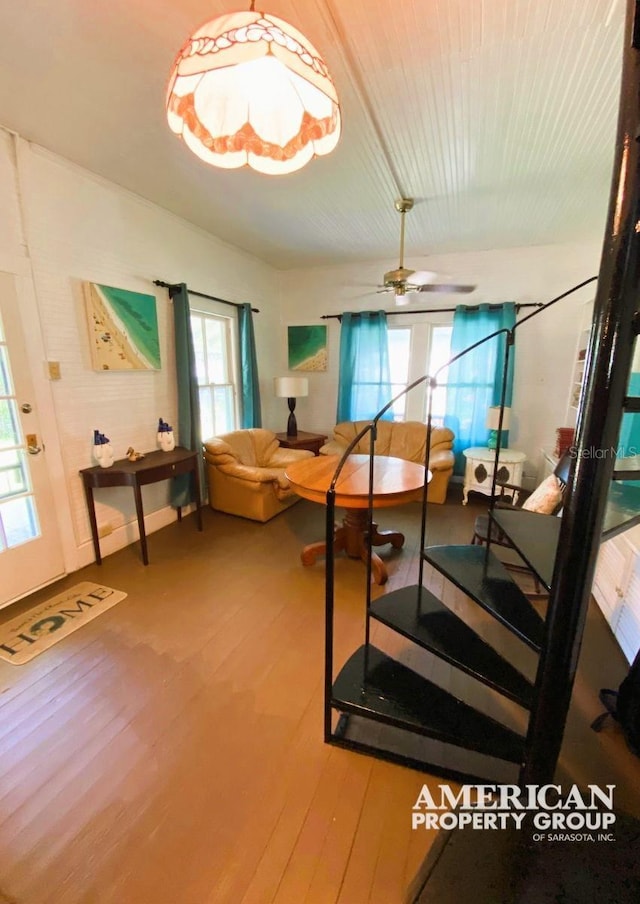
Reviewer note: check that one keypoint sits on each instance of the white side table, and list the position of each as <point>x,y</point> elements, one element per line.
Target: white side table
<point>478,473</point>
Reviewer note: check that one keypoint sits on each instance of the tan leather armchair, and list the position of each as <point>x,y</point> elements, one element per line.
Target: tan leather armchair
<point>245,471</point>
<point>402,439</point>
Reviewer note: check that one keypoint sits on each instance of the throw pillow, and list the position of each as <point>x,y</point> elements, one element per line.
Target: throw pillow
<point>546,498</point>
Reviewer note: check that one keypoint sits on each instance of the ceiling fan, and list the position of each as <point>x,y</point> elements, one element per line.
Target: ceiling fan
<point>403,282</point>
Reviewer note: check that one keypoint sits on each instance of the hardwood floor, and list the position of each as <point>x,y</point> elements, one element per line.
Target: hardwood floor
<point>170,751</point>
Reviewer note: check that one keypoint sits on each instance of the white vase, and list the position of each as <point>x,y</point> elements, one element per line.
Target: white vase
<point>167,440</point>
<point>103,453</point>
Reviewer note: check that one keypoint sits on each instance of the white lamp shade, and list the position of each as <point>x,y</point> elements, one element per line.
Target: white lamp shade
<point>290,387</point>
<point>493,418</point>
<point>248,89</point>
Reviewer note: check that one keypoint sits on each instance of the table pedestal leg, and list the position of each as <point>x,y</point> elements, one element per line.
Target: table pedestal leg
<point>311,552</point>
<point>352,538</point>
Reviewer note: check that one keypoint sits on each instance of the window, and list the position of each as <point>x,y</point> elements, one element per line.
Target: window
<point>18,518</point>
<point>439,354</point>
<point>399,339</point>
<point>215,370</point>
<point>415,351</point>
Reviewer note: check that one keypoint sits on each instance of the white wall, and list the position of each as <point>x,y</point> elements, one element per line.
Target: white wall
<point>62,225</point>
<point>80,227</point>
<point>545,347</point>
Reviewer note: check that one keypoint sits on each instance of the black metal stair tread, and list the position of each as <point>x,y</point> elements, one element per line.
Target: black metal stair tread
<point>479,574</point>
<point>631,403</point>
<point>534,535</point>
<point>627,468</point>
<point>380,688</point>
<point>434,627</point>
<point>623,509</point>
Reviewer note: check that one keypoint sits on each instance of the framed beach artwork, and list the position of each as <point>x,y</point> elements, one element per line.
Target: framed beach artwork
<point>307,347</point>
<point>123,328</point>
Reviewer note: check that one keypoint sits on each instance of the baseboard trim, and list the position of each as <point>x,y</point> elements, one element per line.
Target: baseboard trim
<point>128,533</point>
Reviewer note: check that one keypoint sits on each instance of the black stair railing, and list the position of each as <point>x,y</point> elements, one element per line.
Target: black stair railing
<point>608,365</point>
<point>603,399</point>
<point>371,429</point>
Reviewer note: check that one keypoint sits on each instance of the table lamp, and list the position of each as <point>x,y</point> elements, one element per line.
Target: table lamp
<point>493,422</point>
<point>291,388</point>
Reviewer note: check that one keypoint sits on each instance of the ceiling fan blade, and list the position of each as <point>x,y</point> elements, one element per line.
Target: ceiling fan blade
<point>422,277</point>
<point>444,287</point>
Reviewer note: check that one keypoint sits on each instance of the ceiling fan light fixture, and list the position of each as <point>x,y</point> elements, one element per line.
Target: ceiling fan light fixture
<point>401,297</point>
<point>248,89</point>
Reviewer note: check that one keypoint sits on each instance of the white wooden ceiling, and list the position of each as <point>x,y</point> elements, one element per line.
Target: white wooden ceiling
<point>497,116</point>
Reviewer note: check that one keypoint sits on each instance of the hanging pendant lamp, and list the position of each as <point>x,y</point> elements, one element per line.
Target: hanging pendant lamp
<point>248,89</point>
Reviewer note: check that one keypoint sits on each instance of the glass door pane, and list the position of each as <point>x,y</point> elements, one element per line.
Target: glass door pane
<point>18,517</point>
<point>31,553</point>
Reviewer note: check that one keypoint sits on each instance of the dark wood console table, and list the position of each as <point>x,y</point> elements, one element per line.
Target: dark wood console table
<point>153,467</point>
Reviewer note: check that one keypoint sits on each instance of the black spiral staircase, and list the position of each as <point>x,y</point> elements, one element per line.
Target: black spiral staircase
<point>381,704</point>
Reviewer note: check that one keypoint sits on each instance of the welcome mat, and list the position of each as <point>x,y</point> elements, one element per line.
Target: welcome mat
<point>34,631</point>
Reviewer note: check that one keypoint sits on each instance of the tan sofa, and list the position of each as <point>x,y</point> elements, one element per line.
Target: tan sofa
<point>402,439</point>
<point>245,472</point>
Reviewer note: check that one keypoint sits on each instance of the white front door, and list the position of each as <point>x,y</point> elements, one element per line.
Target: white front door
<point>30,549</point>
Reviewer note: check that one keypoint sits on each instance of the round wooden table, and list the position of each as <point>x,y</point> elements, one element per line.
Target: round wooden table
<point>395,481</point>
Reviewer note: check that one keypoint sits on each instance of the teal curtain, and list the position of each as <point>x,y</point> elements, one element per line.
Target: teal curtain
<point>182,489</point>
<point>364,382</point>
<point>249,386</point>
<point>474,382</point>
<point>629,442</point>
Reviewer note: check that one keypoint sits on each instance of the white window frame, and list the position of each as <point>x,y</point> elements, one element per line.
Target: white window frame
<point>400,408</point>
<point>211,311</point>
<point>443,377</point>
<point>419,356</point>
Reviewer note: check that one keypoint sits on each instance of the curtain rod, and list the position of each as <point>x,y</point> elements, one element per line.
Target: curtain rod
<point>170,286</point>
<point>475,307</point>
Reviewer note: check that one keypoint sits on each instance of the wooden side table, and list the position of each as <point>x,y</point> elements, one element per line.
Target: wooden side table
<point>153,467</point>
<point>478,474</point>
<point>302,440</point>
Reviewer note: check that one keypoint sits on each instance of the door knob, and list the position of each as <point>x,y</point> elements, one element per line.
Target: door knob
<point>32,444</point>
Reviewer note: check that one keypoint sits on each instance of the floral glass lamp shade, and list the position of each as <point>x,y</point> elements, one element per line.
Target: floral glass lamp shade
<point>249,89</point>
<point>291,388</point>
<point>493,424</point>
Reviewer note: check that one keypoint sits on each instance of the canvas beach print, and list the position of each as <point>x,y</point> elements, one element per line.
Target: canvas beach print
<point>307,347</point>
<point>123,328</point>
